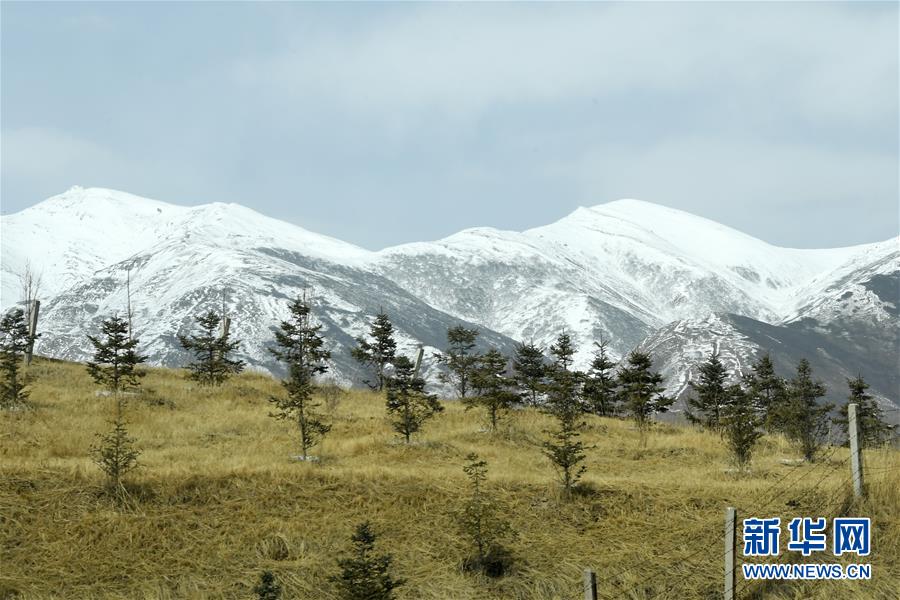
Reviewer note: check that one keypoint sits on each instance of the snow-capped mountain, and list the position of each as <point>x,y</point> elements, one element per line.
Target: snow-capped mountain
<point>185,261</point>
<point>618,270</point>
<point>631,272</point>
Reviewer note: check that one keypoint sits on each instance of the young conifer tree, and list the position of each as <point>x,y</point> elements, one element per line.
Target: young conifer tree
<point>460,358</point>
<point>564,448</point>
<point>115,454</point>
<point>766,389</point>
<point>408,405</point>
<point>480,522</point>
<point>14,341</point>
<point>803,420</point>
<point>364,574</point>
<point>115,362</point>
<point>641,389</point>
<point>740,422</point>
<point>301,348</point>
<point>710,395</point>
<point>601,391</point>
<point>530,372</point>
<point>873,430</point>
<point>268,587</point>
<point>377,353</point>
<point>212,365</point>
<point>493,390</point>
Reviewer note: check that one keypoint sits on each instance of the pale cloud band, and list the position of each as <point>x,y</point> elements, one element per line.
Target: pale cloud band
<point>388,123</point>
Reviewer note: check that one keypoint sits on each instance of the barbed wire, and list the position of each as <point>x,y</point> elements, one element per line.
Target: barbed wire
<point>828,472</point>
<point>835,502</point>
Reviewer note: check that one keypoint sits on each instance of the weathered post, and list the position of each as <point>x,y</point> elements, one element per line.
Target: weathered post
<point>419,353</point>
<point>224,326</point>
<point>32,329</point>
<point>855,452</point>
<point>730,546</point>
<point>590,585</point>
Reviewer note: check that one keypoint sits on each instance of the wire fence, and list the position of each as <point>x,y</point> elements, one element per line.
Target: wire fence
<point>821,497</point>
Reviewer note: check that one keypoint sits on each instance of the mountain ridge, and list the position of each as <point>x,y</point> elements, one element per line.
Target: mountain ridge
<point>620,271</point>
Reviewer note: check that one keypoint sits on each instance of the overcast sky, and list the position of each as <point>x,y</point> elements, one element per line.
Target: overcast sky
<point>386,123</point>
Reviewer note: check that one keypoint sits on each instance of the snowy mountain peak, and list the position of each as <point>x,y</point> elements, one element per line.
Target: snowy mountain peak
<point>618,271</point>
<point>97,200</point>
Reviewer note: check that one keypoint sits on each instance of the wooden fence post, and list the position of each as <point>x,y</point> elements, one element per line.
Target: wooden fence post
<point>224,326</point>
<point>419,354</point>
<point>32,329</point>
<point>855,451</point>
<point>730,545</point>
<point>590,585</point>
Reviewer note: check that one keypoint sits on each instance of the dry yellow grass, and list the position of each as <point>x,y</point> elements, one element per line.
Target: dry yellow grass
<point>219,499</point>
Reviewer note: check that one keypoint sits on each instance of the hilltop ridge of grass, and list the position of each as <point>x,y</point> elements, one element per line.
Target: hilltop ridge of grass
<point>219,497</point>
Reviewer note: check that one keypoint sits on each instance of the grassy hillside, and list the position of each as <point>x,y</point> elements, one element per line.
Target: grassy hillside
<point>219,498</point>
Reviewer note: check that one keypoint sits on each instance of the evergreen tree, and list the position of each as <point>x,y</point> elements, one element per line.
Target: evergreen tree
<point>766,390</point>
<point>479,522</point>
<point>530,372</point>
<point>460,358</point>
<point>212,365</point>
<point>301,347</point>
<point>710,396</point>
<point>563,385</point>
<point>564,449</point>
<point>600,389</point>
<point>641,389</point>
<point>873,430</point>
<point>14,341</point>
<point>115,454</point>
<point>493,390</point>
<point>740,422</point>
<point>268,587</point>
<point>377,353</point>
<point>115,362</point>
<point>563,352</point>
<point>364,574</point>
<point>407,403</point>
<point>803,420</point>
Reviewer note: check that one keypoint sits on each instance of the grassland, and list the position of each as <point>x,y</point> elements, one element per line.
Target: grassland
<point>218,498</point>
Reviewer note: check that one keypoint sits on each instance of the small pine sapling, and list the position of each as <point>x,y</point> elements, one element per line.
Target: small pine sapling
<point>115,362</point>
<point>767,390</point>
<point>460,358</point>
<point>493,390</point>
<point>741,424</point>
<point>212,364</point>
<point>530,372</point>
<point>14,341</point>
<point>803,420</point>
<point>564,449</point>
<point>601,396</point>
<point>873,430</point>
<point>377,353</point>
<point>116,455</point>
<point>301,347</point>
<point>364,574</point>
<point>710,397</point>
<point>268,587</point>
<point>408,405</point>
<point>480,522</point>
<point>642,391</point>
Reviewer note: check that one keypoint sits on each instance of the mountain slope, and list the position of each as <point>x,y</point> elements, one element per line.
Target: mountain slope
<point>630,272</point>
<point>184,261</point>
<point>618,270</point>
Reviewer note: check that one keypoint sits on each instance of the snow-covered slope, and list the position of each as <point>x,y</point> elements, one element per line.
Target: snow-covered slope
<point>184,261</point>
<point>617,270</point>
<point>628,271</point>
